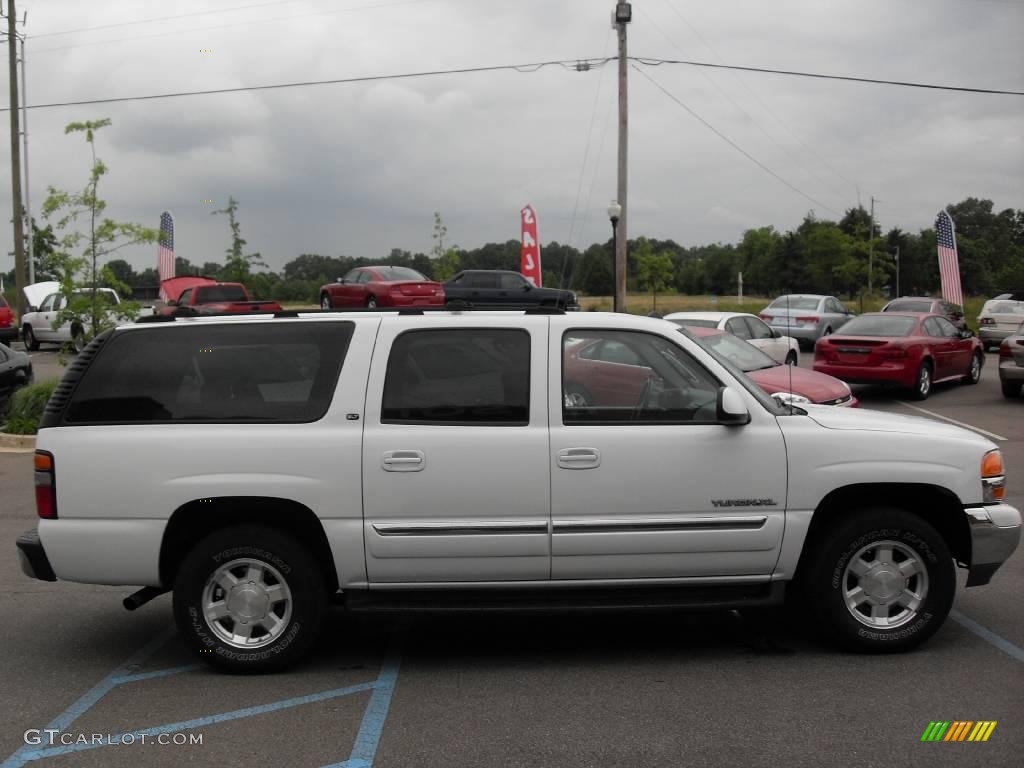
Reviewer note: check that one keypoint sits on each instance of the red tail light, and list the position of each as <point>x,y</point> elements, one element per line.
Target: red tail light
<point>1004,349</point>
<point>763,316</point>
<point>46,486</point>
<point>808,319</point>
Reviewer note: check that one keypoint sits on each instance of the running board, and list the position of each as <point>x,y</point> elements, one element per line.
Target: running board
<point>558,599</point>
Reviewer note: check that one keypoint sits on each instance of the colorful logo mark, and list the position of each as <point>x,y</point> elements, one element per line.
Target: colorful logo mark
<point>959,730</point>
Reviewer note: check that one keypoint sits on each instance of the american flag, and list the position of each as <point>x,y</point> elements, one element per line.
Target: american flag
<point>949,263</point>
<point>165,253</point>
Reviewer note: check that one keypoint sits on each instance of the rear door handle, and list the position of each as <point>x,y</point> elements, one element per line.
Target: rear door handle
<point>579,458</point>
<point>403,461</point>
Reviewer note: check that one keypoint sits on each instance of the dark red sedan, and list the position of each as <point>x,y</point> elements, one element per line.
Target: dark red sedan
<point>909,349</point>
<point>373,287</point>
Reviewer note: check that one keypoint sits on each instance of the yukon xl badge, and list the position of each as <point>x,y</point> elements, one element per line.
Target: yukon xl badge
<point>744,503</point>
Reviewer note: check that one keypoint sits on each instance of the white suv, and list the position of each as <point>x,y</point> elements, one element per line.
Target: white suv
<point>256,466</point>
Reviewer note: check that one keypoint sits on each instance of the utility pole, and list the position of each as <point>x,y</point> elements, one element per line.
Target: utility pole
<point>17,219</point>
<point>871,243</point>
<point>24,144</point>
<point>622,16</point>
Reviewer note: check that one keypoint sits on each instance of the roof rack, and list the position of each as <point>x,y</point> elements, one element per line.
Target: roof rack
<point>294,313</point>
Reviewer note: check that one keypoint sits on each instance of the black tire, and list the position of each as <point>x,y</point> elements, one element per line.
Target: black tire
<point>974,371</point>
<point>31,342</point>
<point>371,303</point>
<point>325,301</point>
<point>922,382</point>
<point>1011,389</point>
<point>77,339</point>
<point>792,358</point>
<point>284,561</point>
<point>863,537</point>
<point>579,394</point>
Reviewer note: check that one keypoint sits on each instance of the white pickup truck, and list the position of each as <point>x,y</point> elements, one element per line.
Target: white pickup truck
<point>45,302</point>
<point>258,466</point>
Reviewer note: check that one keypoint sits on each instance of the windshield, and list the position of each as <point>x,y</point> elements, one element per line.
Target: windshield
<point>1006,308</point>
<point>770,403</point>
<point>904,305</point>
<point>399,273</point>
<point>879,325</point>
<point>794,302</point>
<point>693,322</point>
<point>220,293</point>
<point>746,356</point>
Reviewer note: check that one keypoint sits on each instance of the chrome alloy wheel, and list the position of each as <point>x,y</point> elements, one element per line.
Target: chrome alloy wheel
<point>885,584</point>
<point>247,603</point>
<point>924,381</point>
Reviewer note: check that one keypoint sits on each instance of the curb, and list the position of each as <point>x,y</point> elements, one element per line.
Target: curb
<point>17,443</point>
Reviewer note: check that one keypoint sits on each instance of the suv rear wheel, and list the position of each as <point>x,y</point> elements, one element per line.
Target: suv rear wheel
<point>249,598</point>
<point>882,581</point>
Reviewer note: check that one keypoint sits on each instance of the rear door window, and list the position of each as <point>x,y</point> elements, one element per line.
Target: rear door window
<point>252,373</point>
<point>473,376</point>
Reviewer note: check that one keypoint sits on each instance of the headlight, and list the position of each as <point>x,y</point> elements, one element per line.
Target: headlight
<point>790,398</point>
<point>993,477</point>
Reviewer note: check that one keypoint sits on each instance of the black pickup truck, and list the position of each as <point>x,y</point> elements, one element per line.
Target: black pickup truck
<point>501,288</point>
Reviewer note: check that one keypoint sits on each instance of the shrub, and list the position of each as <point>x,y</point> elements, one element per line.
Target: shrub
<point>27,406</point>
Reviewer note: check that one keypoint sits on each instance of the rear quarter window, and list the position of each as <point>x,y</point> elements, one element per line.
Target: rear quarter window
<point>251,373</point>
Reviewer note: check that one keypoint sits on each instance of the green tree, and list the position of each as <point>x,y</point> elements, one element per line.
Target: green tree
<point>446,260</point>
<point>238,268</point>
<point>655,271</point>
<point>101,237</point>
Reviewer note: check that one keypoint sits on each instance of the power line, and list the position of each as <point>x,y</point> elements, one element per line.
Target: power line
<point>166,18</point>
<point>757,98</point>
<point>732,143</point>
<point>793,73</point>
<point>371,6</point>
<point>521,68</point>
<point>754,121</point>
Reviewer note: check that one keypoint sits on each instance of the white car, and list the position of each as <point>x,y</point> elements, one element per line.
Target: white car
<point>1000,317</point>
<point>433,461</point>
<point>44,305</point>
<point>750,328</point>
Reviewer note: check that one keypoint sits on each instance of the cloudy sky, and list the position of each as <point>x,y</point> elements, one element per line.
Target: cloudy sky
<point>358,169</point>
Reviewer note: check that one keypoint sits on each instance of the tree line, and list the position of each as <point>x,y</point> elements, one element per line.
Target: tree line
<point>819,256</point>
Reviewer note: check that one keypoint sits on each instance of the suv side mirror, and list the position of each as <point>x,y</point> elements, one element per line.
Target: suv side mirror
<point>730,409</point>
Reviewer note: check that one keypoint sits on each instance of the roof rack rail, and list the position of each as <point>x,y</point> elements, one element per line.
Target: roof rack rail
<point>294,313</point>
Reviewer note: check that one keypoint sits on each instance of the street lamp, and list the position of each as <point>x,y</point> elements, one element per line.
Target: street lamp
<point>614,212</point>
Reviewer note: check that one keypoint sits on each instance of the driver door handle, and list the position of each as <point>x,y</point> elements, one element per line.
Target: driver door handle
<point>403,461</point>
<point>579,458</point>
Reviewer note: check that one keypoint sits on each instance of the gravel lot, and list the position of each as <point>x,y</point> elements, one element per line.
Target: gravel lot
<point>597,689</point>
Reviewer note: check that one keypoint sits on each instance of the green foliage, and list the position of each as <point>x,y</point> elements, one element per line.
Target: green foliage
<point>76,253</point>
<point>655,271</point>
<point>239,265</point>
<point>27,406</point>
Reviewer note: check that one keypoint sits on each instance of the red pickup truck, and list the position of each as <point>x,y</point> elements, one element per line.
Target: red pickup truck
<point>206,296</point>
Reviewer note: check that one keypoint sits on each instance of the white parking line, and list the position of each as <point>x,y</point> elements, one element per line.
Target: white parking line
<point>971,427</point>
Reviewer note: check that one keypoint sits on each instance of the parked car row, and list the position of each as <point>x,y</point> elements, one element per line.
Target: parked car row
<point>382,286</point>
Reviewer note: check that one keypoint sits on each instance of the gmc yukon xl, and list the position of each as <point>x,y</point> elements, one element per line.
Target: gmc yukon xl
<point>262,467</point>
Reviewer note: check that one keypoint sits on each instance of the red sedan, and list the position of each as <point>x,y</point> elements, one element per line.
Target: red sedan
<point>910,349</point>
<point>373,287</point>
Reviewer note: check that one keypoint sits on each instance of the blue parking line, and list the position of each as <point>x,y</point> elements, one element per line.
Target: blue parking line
<point>987,634</point>
<point>88,700</point>
<point>186,725</point>
<point>157,673</point>
<point>368,738</point>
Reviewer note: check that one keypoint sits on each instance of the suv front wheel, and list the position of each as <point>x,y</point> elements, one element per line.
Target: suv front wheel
<point>882,581</point>
<point>249,598</point>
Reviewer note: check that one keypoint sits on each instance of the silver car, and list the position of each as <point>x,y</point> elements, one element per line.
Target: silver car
<point>999,318</point>
<point>1011,363</point>
<point>805,316</point>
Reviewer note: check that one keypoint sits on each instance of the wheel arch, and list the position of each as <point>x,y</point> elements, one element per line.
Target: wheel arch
<point>937,506</point>
<point>198,518</point>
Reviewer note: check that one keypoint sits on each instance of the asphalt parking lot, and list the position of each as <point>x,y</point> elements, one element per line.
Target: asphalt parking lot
<point>589,689</point>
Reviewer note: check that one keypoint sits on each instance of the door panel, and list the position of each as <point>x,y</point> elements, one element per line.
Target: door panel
<point>683,497</point>
<point>476,505</point>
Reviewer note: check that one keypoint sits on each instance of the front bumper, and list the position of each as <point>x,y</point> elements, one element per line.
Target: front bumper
<point>995,533</point>
<point>34,562</point>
